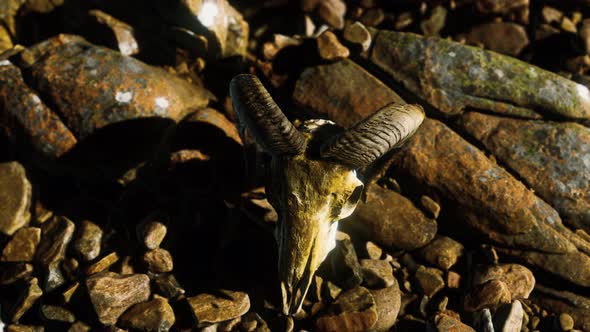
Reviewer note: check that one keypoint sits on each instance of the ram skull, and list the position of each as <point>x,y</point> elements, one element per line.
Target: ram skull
<point>314,181</point>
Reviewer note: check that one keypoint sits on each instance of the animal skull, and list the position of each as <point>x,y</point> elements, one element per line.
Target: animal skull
<point>313,182</point>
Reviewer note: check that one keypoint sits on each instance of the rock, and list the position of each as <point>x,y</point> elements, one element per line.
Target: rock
<point>373,251</point>
<point>443,322</point>
<point>123,32</point>
<point>483,321</point>
<point>28,297</point>
<point>103,264</point>
<point>111,294</point>
<point>330,91</point>
<point>501,37</point>
<point>373,17</point>
<point>546,155</point>
<point>442,252</point>
<point>24,328</point>
<point>490,294</point>
<point>69,293</point>
<point>27,118</point>
<point>215,308</point>
<point>15,195</point>
<point>519,280</point>
<point>43,6</point>
<point>331,290</point>
<point>509,317</point>
<point>430,206</point>
<point>225,29</point>
<point>344,267</point>
<point>57,233</point>
<point>22,246</point>
<point>11,273</point>
<point>391,220</point>
<point>567,25</point>
<point>354,310</point>
<point>498,207</point>
<point>5,40</point>
<point>377,273</point>
<point>55,313</point>
<point>453,279</point>
<point>272,48</point>
<point>79,327</point>
<point>332,12</point>
<point>357,34</point>
<point>499,6</point>
<point>584,33</point>
<point>566,322</point>
<point>155,315</point>
<point>87,242</point>
<point>494,82</point>
<point>388,303</point>
<point>158,260</point>
<point>429,280</point>
<point>152,234</point>
<point>435,23</point>
<point>52,276</point>
<point>128,89</point>
<point>330,48</point>
<point>167,285</point>
<point>559,301</point>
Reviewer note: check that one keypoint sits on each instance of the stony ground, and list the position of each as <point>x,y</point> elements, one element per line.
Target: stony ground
<point>129,200</point>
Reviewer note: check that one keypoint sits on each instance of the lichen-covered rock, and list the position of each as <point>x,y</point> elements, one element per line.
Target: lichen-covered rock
<point>155,315</point>
<point>331,91</point>
<point>215,308</point>
<point>353,310</point>
<point>442,252</point>
<point>391,220</point>
<point>22,246</point>
<point>24,112</point>
<point>452,76</point>
<point>15,196</point>
<point>553,158</point>
<point>111,294</point>
<point>123,87</point>
<point>519,279</point>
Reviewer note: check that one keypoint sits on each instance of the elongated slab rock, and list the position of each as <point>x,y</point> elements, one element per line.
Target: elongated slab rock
<point>564,302</point>
<point>489,199</point>
<point>27,118</point>
<point>343,91</point>
<point>552,158</point>
<point>452,76</point>
<point>105,87</point>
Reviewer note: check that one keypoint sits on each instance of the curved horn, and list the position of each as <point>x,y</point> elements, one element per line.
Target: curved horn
<point>264,119</point>
<point>371,138</point>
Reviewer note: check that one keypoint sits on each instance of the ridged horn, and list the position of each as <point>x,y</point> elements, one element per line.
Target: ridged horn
<point>374,136</point>
<point>264,119</point>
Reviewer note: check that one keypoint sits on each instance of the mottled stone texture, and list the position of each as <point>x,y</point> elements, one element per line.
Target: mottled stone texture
<point>553,158</point>
<point>452,76</point>
<point>391,220</point>
<point>343,91</point>
<point>490,200</point>
<point>15,197</point>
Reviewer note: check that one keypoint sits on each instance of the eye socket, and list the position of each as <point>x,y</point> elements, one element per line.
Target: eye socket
<point>346,209</point>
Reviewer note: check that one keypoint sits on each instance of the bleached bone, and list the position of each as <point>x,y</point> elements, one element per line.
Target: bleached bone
<point>313,175</point>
